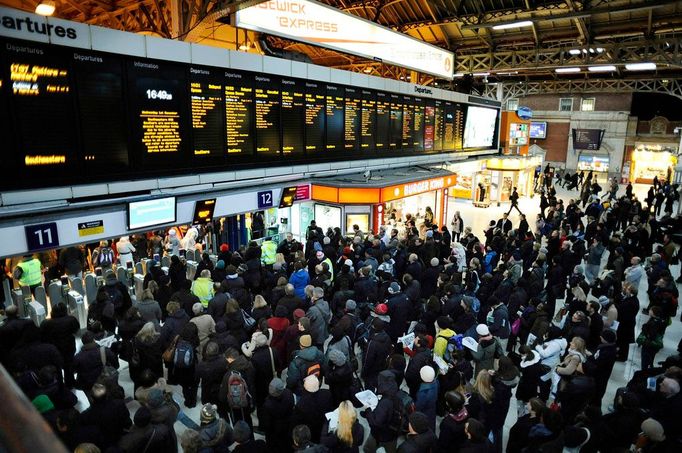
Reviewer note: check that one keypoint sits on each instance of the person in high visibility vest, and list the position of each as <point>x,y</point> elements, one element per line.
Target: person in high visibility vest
<point>202,287</point>
<point>29,272</point>
<point>268,252</point>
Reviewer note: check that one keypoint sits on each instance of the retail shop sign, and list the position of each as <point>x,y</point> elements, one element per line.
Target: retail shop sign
<point>415,188</point>
<point>42,236</point>
<point>91,228</point>
<point>302,192</point>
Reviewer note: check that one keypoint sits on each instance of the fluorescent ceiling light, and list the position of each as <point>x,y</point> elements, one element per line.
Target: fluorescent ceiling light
<point>566,70</point>
<point>481,74</point>
<point>46,8</point>
<point>647,66</point>
<point>458,74</point>
<point>574,51</point>
<point>606,68</point>
<point>523,23</point>
<point>600,49</point>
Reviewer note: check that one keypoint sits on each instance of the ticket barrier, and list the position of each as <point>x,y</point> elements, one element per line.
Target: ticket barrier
<point>41,297</point>
<point>122,276</point>
<point>7,290</point>
<point>138,268</point>
<point>190,255</point>
<point>146,265</point>
<point>77,309</point>
<point>57,292</point>
<point>165,261</point>
<point>36,312</point>
<point>139,285</point>
<point>191,269</point>
<point>91,287</point>
<point>77,285</point>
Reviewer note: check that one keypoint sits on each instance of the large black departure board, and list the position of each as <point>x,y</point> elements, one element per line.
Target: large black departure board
<point>267,98</point>
<point>407,141</point>
<point>98,116</point>
<point>368,121</point>
<point>39,90</point>
<point>334,116</point>
<point>293,116</point>
<point>158,98</point>
<point>396,122</point>
<point>352,131</point>
<point>208,111</point>
<point>239,113</point>
<point>383,121</point>
<point>314,118</point>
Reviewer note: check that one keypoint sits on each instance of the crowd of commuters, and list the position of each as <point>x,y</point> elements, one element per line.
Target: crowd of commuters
<point>445,327</point>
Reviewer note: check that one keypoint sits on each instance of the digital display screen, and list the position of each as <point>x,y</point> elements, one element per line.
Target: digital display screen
<point>143,214</point>
<point>396,124</point>
<point>449,127</point>
<point>239,114</point>
<point>334,116</point>
<point>288,197</point>
<point>99,88</point>
<point>203,211</point>
<point>480,127</point>
<point>418,125</point>
<point>538,129</point>
<point>589,139</point>
<point>293,116</point>
<point>429,127</point>
<point>206,103</point>
<point>41,100</point>
<point>352,134</point>
<point>368,121</point>
<point>383,121</point>
<point>267,115</point>
<point>438,126</point>
<point>407,142</point>
<point>314,118</point>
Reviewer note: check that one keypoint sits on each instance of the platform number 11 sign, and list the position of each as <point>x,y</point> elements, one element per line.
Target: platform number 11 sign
<point>42,236</point>
<point>265,199</point>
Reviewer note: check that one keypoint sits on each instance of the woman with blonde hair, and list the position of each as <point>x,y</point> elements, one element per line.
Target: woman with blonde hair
<point>481,401</point>
<point>261,309</point>
<point>348,434</point>
<point>149,308</point>
<point>146,353</point>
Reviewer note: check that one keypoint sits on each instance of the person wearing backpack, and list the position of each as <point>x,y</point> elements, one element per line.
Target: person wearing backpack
<point>238,389</point>
<point>376,353</point>
<point>184,362</point>
<point>118,295</point>
<point>103,256</point>
<point>443,334</point>
<point>87,364</point>
<point>306,361</point>
<point>385,420</point>
<point>498,321</point>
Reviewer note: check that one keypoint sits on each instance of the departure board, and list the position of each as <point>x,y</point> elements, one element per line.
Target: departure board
<point>206,102</point>
<point>7,153</point>
<point>158,106</point>
<point>396,125</point>
<point>383,121</point>
<point>267,97</point>
<point>42,103</point>
<point>429,126</point>
<point>293,116</point>
<point>314,118</point>
<point>418,125</point>
<point>334,116</point>
<point>368,120</point>
<point>352,133</point>
<point>458,134</point>
<point>408,124</point>
<point>438,125</point>
<point>239,114</point>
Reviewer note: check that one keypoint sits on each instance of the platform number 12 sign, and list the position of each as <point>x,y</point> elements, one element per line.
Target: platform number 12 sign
<point>42,236</point>
<point>265,199</point>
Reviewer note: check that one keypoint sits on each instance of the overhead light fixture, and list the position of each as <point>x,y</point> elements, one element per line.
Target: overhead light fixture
<point>647,66</point>
<point>566,70</point>
<point>591,50</point>
<point>367,70</point>
<point>605,68</point>
<point>574,51</point>
<point>507,73</point>
<point>481,74</point>
<point>523,23</point>
<point>600,49</point>
<point>584,50</point>
<point>458,74</point>
<point>46,8</point>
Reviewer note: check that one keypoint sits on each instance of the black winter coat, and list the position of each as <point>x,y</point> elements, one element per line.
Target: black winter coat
<point>378,349</point>
<point>339,379</point>
<point>60,332</point>
<point>380,418</point>
<point>87,365</point>
<point>333,443</point>
<point>418,443</point>
<point>210,372</point>
<point>172,327</point>
<point>263,365</point>
<point>111,417</point>
<point>421,358</point>
<point>400,311</point>
<point>276,421</point>
<point>310,411</point>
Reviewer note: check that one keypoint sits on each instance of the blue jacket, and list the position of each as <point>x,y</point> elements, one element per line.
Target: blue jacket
<point>300,280</point>
<point>427,396</point>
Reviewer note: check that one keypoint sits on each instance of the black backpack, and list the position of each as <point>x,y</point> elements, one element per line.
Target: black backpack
<point>403,406</point>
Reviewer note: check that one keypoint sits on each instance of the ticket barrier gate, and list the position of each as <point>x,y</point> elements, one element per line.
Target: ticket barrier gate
<point>122,276</point>
<point>165,261</point>
<point>91,287</point>
<point>27,307</point>
<point>138,268</point>
<point>76,306</point>
<point>139,286</point>
<point>191,269</point>
<point>77,285</point>
<point>7,290</point>
<point>41,297</point>
<point>146,265</point>
<point>190,255</point>
<point>57,293</point>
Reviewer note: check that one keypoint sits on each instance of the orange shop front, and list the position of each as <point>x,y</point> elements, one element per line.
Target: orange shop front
<point>377,205</point>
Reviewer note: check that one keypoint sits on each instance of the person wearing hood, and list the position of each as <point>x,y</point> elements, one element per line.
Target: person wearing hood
<point>147,436</point>
<point>420,437</point>
<point>278,409</point>
<point>60,331</point>
<point>427,395</point>
<point>125,251</point>
<point>265,364</point>
<point>600,364</point>
<point>399,309</point>
<point>382,434</point>
<point>376,353</point>
<point>551,350</point>
<point>215,433</point>
<point>309,359</point>
<point>487,349</point>
<point>339,376</point>
<point>452,435</point>
<point>210,372</point>
<point>312,405</point>
<point>319,315</point>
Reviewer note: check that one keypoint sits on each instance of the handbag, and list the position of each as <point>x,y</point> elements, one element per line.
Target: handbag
<point>135,359</point>
<point>516,327</point>
<point>249,322</point>
<point>352,358</point>
<point>168,354</point>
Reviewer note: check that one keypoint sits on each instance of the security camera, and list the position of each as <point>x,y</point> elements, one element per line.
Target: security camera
<point>367,174</point>
<point>677,130</point>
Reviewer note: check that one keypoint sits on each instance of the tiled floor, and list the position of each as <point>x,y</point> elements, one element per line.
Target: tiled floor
<point>478,218</point>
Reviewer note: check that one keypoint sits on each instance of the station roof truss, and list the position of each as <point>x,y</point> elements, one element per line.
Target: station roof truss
<point>562,33</point>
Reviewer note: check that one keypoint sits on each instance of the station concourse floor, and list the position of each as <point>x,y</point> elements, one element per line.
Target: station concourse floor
<point>478,219</point>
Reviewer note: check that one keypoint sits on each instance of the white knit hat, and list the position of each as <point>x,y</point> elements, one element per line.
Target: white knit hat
<point>427,373</point>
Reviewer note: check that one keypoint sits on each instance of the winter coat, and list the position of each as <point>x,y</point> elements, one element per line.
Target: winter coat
<point>150,357</point>
<point>148,439</point>
<point>379,419</point>
<point>276,421</point>
<point>299,364</point>
<point>376,354</point>
<point>150,311</point>
<point>87,365</point>
<point>263,364</point>
<point>551,351</point>
<point>418,443</point>
<point>60,332</point>
<point>310,410</point>
<point>484,355</point>
<point>205,327</point>
<point>172,327</point>
<point>421,358</point>
<point>427,396</point>
<point>531,371</point>
<point>332,442</point>
<point>499,326</point>
<point>216,306</point>
<point>112,418</point>
<point>399,309</point>
<point>319,315</point>
<point>452,435</point>
<point>210,373</point>
<point>339,379</point>
<point>300,280</point>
